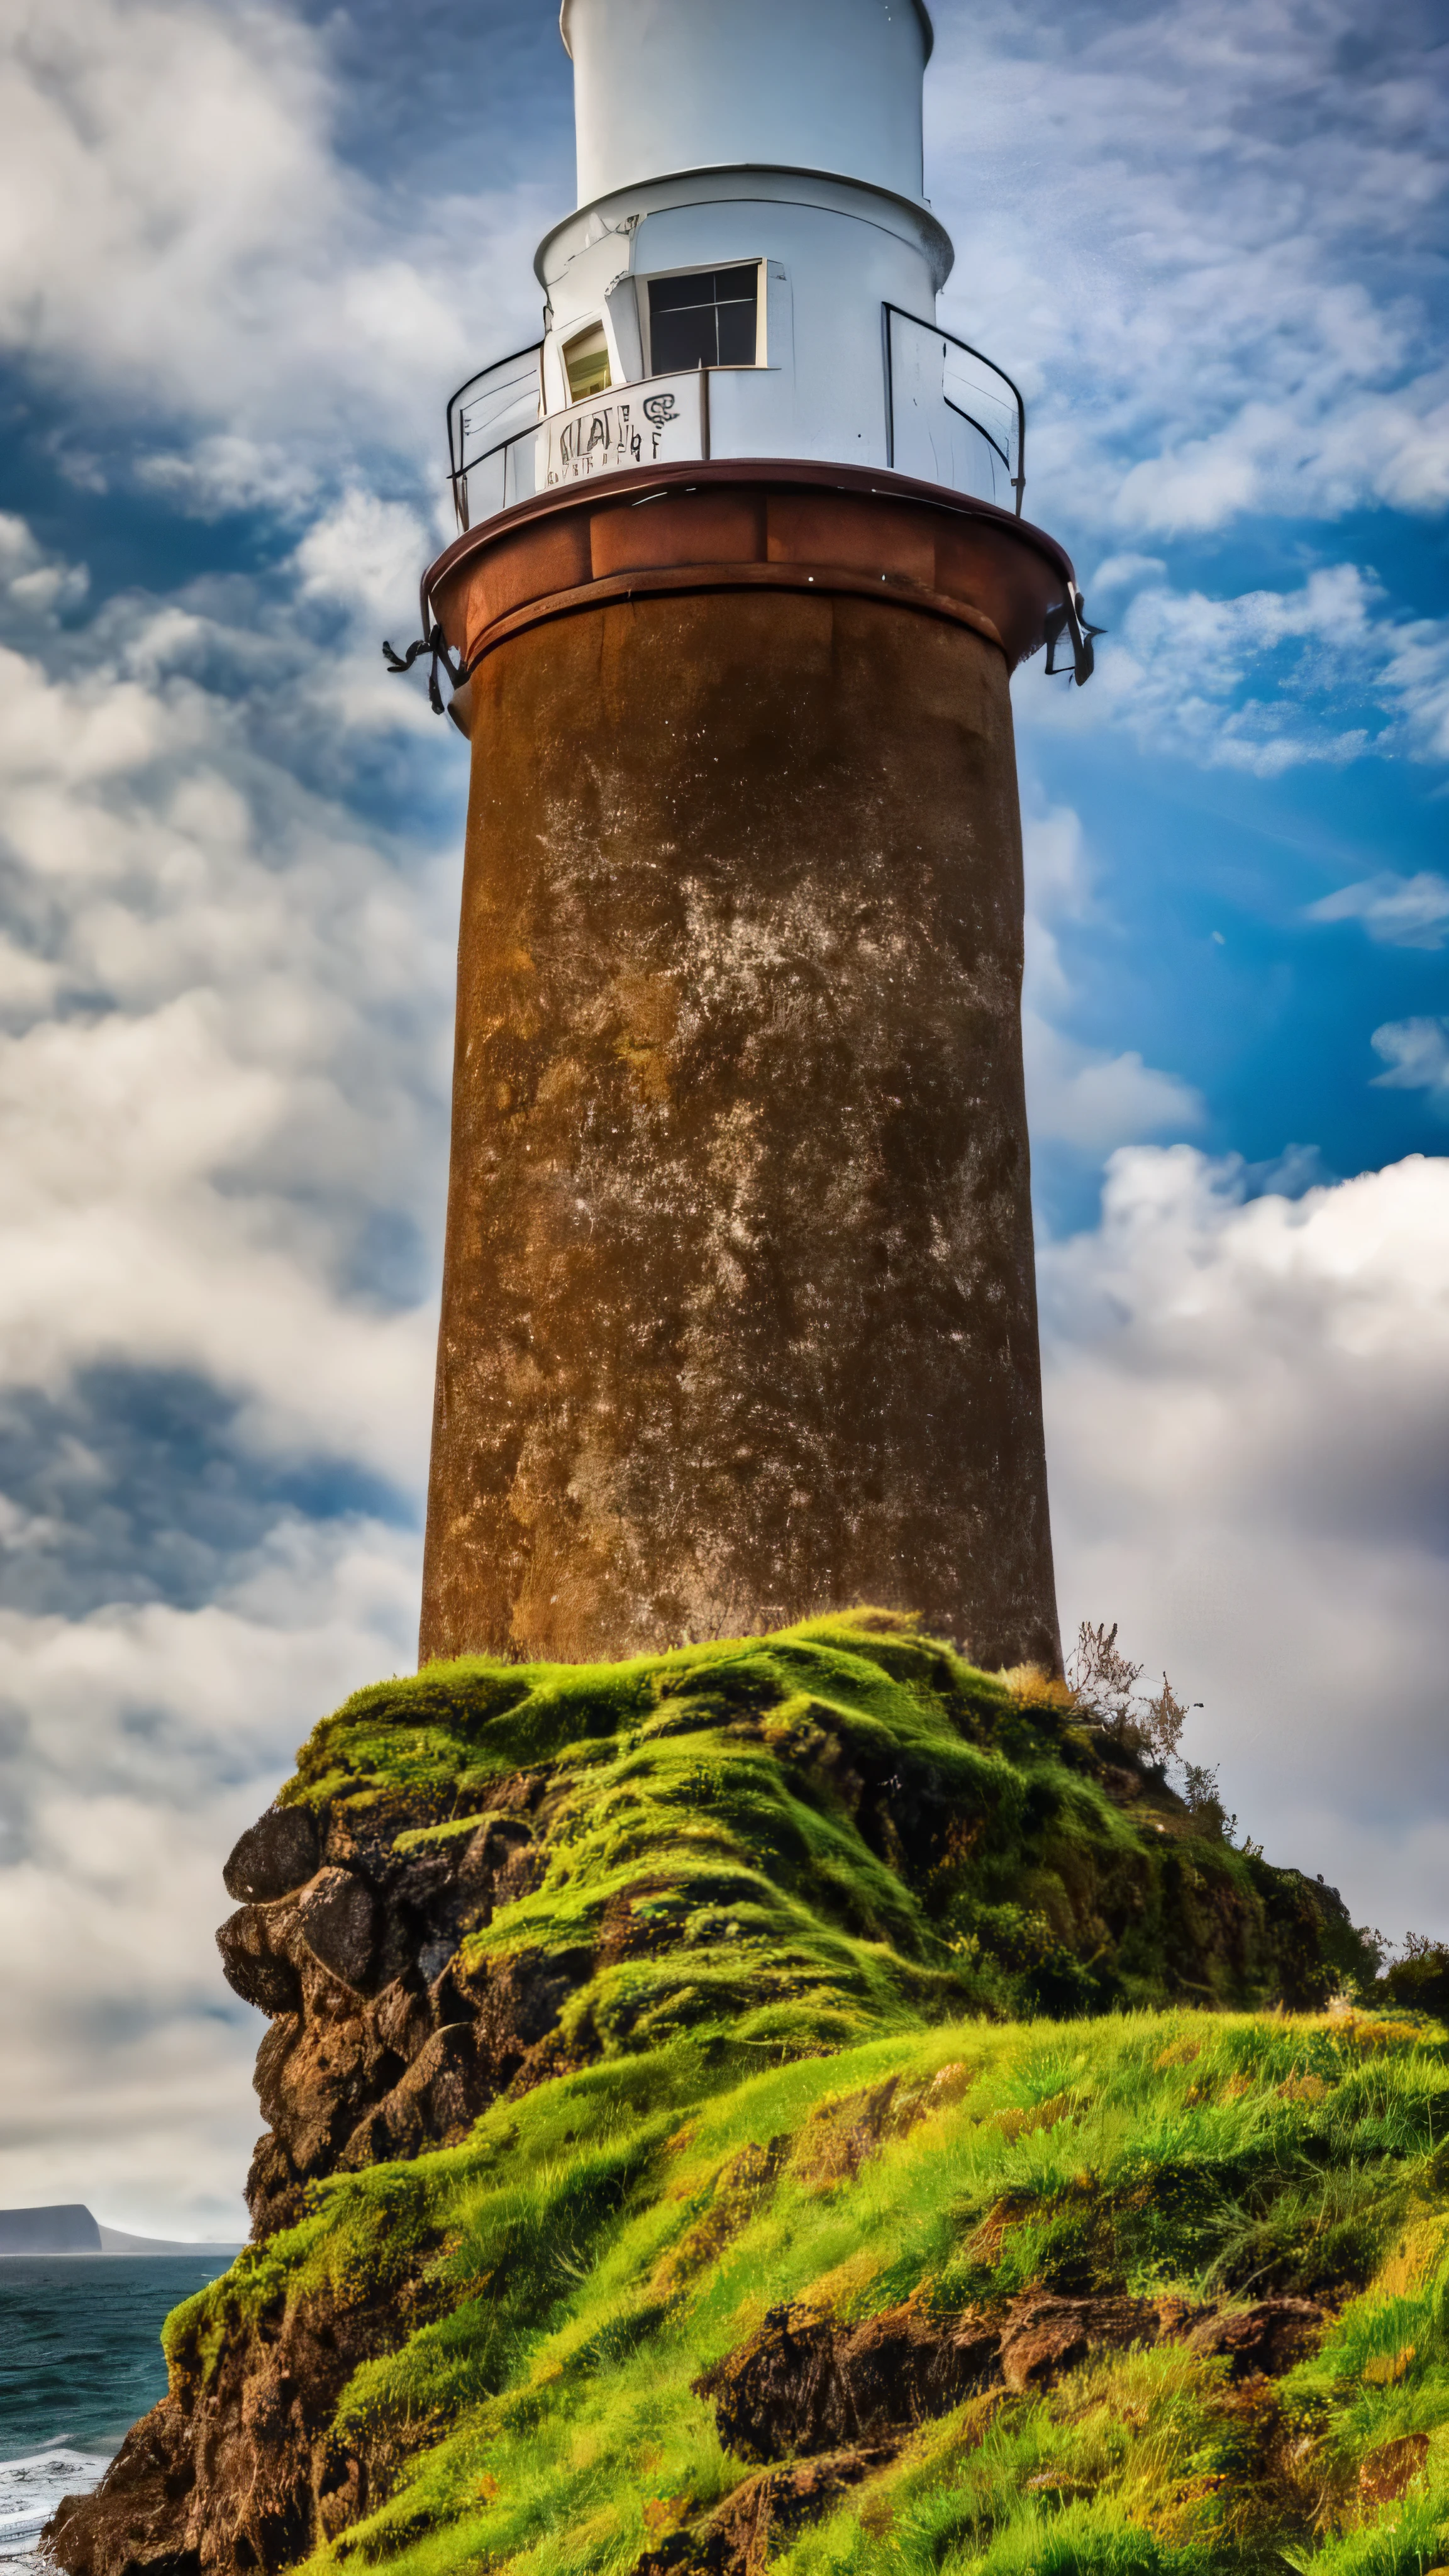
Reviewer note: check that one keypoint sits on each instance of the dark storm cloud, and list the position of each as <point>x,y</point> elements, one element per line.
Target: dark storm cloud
<point>91,1479</point>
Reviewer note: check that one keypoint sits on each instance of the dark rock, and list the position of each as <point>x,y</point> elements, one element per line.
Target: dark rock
<point>275,2192</point>
<point>1269,2337</point>
<point>337,1919</point>
<point>445,1890</point>
<point>345,2081</point>
<point>1044,2336</point>
<point>130,2521</point>
<point>250,1965</point>
<point>274,1856</point>
<point>434,2104</point>
<point>521,2001</point>
<point>904,2367</point>
<point>269,2072</point>
<point>493,1850</point>
<point>738,2538</point>
<point>1390,2471</point>
<point>434,1956</point>
<point>423,1880</point>
<point>808,2383</point>
<point>400,2018</point>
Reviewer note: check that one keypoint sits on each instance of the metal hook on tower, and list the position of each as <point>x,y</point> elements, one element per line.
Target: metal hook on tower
<point>436,644</point>
<point>1071,618</point>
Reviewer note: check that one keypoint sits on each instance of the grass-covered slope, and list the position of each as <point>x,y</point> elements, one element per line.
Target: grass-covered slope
<point>681,2182</point>
<point>599,2246</point>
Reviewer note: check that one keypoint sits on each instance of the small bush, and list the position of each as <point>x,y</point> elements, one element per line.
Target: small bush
<point>1419,1977</point>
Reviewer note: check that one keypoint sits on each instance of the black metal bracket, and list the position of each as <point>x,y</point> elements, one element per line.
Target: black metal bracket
<point>436,644</point>
<point>1071,619</point>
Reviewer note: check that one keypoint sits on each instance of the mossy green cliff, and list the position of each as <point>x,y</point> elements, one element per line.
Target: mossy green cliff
<point>797,2103</point>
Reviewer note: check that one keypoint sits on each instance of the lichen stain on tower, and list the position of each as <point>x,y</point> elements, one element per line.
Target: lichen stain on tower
<point>739,1316</point>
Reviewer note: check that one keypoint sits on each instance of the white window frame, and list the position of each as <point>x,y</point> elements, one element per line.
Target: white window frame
<point>704,268</point>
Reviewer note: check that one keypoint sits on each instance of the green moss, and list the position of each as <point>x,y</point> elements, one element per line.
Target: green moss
<point>844,1915</point>
<point>843,1817</point>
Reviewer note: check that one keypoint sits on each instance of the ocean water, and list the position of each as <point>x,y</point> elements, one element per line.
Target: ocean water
<point>80,2359</point>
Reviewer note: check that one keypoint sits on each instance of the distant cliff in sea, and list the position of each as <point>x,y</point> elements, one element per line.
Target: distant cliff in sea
<point>67,2227</point>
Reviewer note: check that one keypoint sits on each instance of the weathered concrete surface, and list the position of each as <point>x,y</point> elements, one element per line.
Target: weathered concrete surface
<point>739,1312</point>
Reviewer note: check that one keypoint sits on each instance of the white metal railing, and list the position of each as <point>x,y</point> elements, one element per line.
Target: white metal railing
<point>484,416</point>
<point>952,417</point>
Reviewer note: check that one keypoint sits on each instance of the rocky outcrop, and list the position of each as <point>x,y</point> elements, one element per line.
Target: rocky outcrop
<point>485,1879</point>
<point>246,2474</point>
<point>381,2045</point>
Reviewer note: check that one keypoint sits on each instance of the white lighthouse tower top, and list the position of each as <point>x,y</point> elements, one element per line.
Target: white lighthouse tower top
<point>752,267</point>
<point>828,85</point>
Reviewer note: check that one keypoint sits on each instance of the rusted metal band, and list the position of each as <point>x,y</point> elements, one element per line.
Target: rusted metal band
<point>759,473</point>
<point>825,579</point>
<point>742,527</point>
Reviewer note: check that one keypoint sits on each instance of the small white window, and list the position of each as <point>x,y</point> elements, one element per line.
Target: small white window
<point>586,363</point>
<point>709,317</point>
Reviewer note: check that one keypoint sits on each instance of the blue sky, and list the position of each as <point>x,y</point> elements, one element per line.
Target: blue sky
<point>245,253</point>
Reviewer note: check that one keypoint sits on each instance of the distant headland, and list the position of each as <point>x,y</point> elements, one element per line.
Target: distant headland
<point>69,2228</point>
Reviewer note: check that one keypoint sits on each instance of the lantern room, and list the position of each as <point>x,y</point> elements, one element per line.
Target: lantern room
<point>752,267</point>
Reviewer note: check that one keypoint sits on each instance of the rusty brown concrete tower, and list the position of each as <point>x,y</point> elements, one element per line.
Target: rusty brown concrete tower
<point>739,1315</point>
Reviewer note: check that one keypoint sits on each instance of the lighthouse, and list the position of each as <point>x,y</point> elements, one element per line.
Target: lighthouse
<point>739,1315</point>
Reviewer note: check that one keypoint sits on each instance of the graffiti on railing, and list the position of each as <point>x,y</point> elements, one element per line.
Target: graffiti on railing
<point>618,431</point>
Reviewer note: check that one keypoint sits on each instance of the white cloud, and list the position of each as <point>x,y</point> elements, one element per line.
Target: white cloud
<point>1248,1419</point>
<point>149,1738</point>
<point>1399,912</point>
<point>227,1038</point>
<point>1084,1096</point>
<point>365,555</point>
<point>34,586</point>
<point>224,1023</point>
<point>1416,678</point>
<point>1416,1053</point>
<point>1259,682</point>
<point>228,473</point>
<point>1123,572</point>
<point>178,231</point>
<point>1203,239</point>
<point>1181,660</point>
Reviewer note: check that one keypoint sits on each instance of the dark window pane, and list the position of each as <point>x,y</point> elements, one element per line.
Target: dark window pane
<point>687,339</point>
<point>736,286</point>
<point>703,320</point>
<point>737,334</point>
<point>666,294</point>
